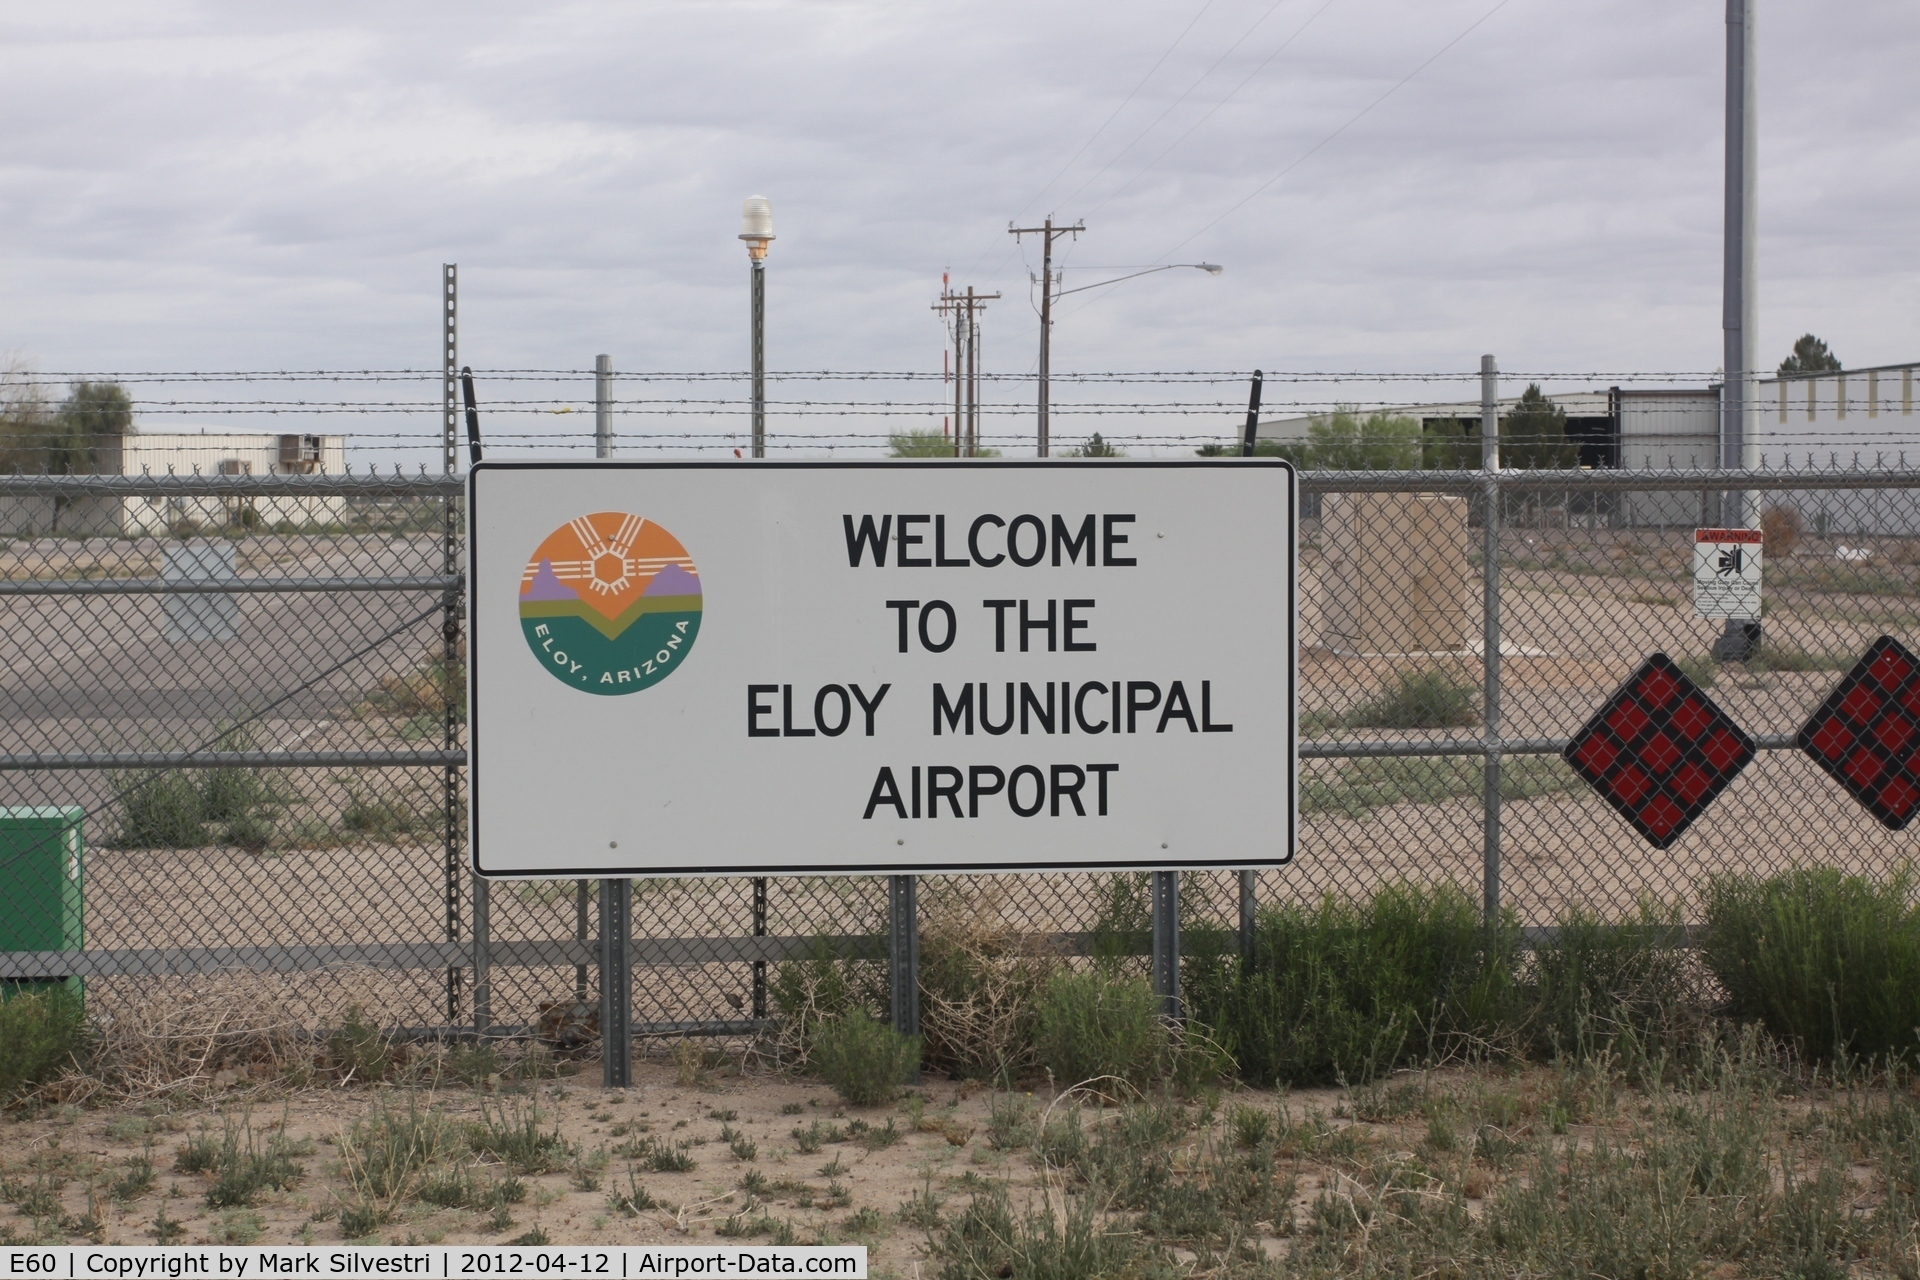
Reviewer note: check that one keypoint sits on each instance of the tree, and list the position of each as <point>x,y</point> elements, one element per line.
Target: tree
<point>1810,355</point>
<point>87,427</point>
<point>1534,435</point>
<point>928,444</point>
<point>1097,448</point>
<point>1292,451</point>
<point>1344,441</point>
<point>25,421</point>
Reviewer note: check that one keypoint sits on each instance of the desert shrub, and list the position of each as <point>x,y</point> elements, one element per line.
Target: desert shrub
<point>1342,992</point>
<point>386,1153</point>
<point>244,1166</point>
<point>988,1238</point>
<point>1780,530</point>
<point>162,811</point>
<point>40,1032</point>
<point>1124,926</point>
<point>515,1136</point>
<point>865,1061</point>
<point>820,987</point>
<point>981,983</point>
<point>359,1050</point>
<point>1597,981</point>
<point>1095,1023</point>
<point>1419,700</point>
<point>1828,961</point>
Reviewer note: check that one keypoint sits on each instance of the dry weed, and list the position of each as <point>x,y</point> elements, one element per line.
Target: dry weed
<point>180,1034</point>
<point>981,983</point>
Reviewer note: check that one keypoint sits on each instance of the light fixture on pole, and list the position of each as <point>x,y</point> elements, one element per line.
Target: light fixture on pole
<point>756,228</point>
<point>1046,322</point>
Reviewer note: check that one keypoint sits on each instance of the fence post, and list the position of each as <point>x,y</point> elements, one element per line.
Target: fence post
<point>616,983</point>
<point>1166,941</point>
<point>759,931</point>
<point>1490,636</point>
<point>581,893</point>
<point>903,952</point>
<point>1249,914</point>
<point>482,960</point>
<point>453,680</point>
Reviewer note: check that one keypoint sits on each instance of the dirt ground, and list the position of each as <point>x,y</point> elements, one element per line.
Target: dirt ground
<point>872,1172</point>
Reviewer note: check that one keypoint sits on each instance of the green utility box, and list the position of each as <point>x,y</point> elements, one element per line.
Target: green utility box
<point>42,887</point>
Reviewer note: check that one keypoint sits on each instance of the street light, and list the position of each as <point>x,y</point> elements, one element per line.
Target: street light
<point>1046,326</point>
<point>756,228</point>
<point>1211,268</point>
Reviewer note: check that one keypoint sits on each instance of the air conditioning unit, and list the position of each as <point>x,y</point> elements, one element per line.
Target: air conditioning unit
<point>236,467</point>
<point>299,455</point>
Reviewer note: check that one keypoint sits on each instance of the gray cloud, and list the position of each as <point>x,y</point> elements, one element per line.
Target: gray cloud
<point>225,186</point>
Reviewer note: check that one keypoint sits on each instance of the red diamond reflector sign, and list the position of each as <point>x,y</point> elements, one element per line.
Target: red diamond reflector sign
<point>1866,735</point>
<point>1659,751</point>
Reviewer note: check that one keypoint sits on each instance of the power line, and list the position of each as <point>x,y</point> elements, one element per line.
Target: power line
<point>1168,150</point>
<point>1257,23</point>
<point>1358,116</point>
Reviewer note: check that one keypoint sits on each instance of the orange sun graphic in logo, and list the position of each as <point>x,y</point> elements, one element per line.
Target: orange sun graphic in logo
<point>610,603</point>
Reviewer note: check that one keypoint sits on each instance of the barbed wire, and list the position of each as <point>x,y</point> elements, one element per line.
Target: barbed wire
<point>63,377</point>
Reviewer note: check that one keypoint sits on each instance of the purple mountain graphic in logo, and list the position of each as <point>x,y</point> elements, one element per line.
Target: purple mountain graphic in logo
<point>672,580</point>
<point>546,586</point>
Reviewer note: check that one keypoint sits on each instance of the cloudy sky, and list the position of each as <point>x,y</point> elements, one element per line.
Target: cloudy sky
<point>243,186</point>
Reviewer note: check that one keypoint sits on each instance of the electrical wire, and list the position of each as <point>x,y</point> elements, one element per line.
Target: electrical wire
<point>1355,119</point>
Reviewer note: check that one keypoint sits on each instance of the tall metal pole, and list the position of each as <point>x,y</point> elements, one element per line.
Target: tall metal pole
<point>451,674</point>
<point>1490,635</point>
<point>603,406</point>
<point>1739,421</point>
<point>602,449</point>
<point>756,228</point>
<point>759,357</point>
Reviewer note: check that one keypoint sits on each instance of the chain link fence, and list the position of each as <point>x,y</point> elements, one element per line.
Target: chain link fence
<point>245,694</point>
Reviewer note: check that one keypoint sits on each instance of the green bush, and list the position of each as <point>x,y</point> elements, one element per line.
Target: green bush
<point>163,812</point>
<point>1596,982</point>
<point>866,1062</point>
<point>40,1031</point>
<point>1340,991</point>
<point>812,990</point>
<point>1828,961</point>
<point>174,809</point>
<point>1096,1024</point>
<point>1420,700</point>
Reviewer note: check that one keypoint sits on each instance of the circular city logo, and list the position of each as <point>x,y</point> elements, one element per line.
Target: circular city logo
<point>610,603</point>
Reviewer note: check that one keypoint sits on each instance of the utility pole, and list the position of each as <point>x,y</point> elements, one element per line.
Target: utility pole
<point>1048,233</point>
<point>1739,446</point>
<point>965,310</point>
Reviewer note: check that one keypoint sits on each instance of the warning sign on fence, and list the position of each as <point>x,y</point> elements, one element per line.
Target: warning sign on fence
<point>1726,573</point>
<point>729,668</point>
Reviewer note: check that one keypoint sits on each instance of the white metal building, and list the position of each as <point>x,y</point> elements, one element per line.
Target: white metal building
<point>192,453</point>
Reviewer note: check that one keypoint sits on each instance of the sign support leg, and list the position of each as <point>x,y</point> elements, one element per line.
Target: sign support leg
<point>580,934</point>
<point>1166,941</point>
<point>759,931</point>
<point>482,960</point>
<point>903,953</point>
<point>1249,915</point>
<point>616,983</point>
